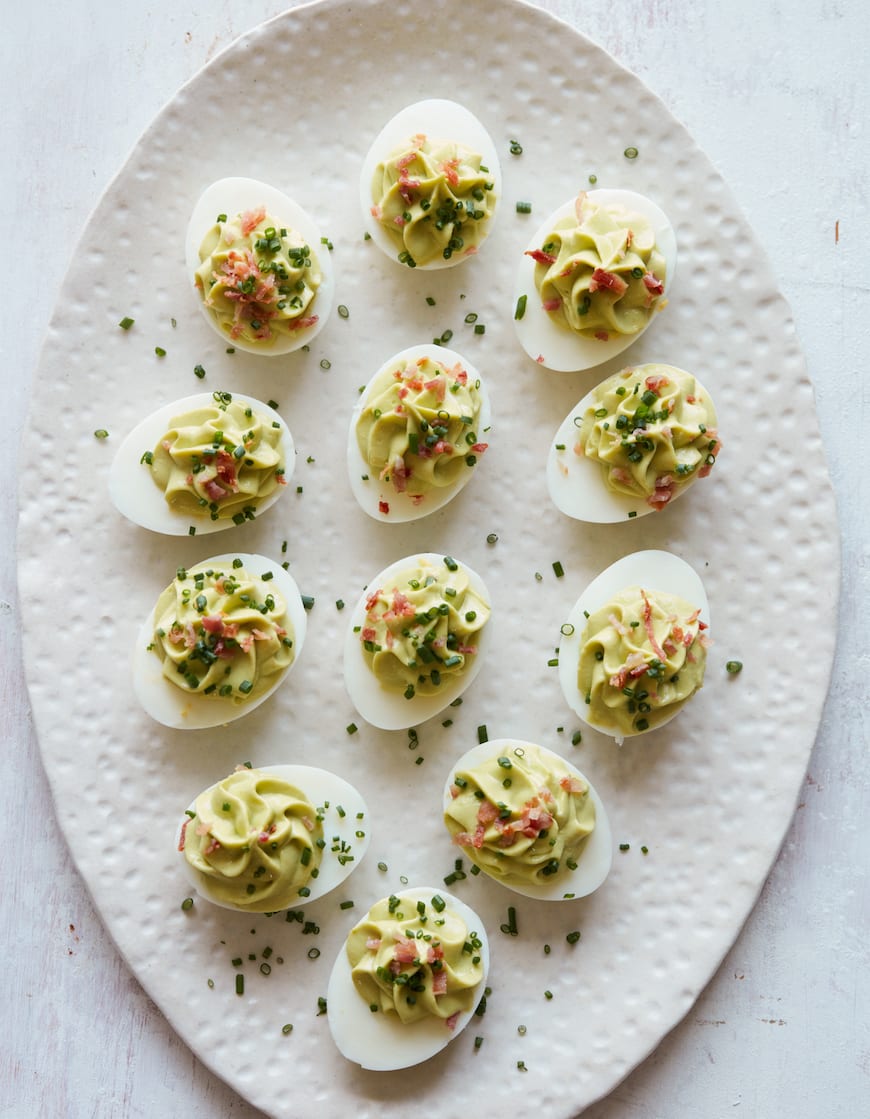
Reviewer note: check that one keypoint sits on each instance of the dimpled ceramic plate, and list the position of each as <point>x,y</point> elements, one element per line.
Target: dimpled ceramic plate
<point>709,797</point>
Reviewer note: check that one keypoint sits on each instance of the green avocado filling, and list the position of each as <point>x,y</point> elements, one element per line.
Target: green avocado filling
<point>653,430</point>
<point>253,841</point>
<point>258,278</point>
<point>433,199</point>
<point>419,427</point>
<point>642,656</point>
<point>423,631</point>
<point>218,461</point>
<point>522,816</point>
<point>415,960</point>
<point>223,632</point>
<point>599,272</point>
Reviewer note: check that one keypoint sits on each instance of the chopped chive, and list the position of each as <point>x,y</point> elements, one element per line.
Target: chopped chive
<point>351,728</point>
<point>478,1041</point>
<point>731,667</point>
<point>521,307</point>
<point>240,984</point>
<point>630,153</point>
<point>625,846</point>
<point>573,937</point>
<point>516,147</point>
<point>287,1028</point>
<point>101,433</point>
<point>160,351</point>
<point>558,569</point>
<point>492,538</point>
<point>126,322</point>
<point>187,904</point>
<point>343,311</point>
<point>307,601</point>
<point>325,363</point>
<point>482,734</point>
<point>350,904</point>
<point>199,371</point>
<point>430,300</point>
<point>479,328</point>
<point>524,207</point>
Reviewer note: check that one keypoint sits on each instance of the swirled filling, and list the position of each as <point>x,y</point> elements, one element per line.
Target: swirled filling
<point>258,279</point>
<point>522,816</point>
<point>254,839</point>
<point>218,461</point>
<point>642,656</point>
<point>434,200</point>
<point>424,629</point>
<point>652,429</point>
<point>221,631</point>
<point>418,429</point>
<point>599,272</point>
<point>415,960</point>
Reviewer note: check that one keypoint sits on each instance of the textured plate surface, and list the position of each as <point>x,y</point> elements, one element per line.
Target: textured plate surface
<point>710,796</point>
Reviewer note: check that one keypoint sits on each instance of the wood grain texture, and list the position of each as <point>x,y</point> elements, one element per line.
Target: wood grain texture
<point>777,95</point>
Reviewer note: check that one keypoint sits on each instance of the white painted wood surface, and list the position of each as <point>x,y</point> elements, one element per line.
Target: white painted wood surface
<point>778,96</point>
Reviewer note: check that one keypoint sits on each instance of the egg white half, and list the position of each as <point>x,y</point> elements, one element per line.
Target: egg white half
<point>387,709</point>
<point>189,710</point>
<point>319,787</point>
<point>134,492</point>
<point>541,335</point>
<point>380,1041</point>
<point>371,493</point>
<point>576,483</point>
<point>233,196</point>
<point>593,866</point>
<point>654,570</point>
<point>438,119</point>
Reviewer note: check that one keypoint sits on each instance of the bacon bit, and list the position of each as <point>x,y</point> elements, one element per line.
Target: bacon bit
<point>662,494</point>
<point>383,507</point>
<point>403,391</point>
<point>371,601</point>
<point>439,982</point>
<point>602,335</point>
<point>450,1022</point>
<point>308,822</point>
<point>166,445</point>
<point>655,383</point>
<point>399,221</point>
<point>417,498</point>
<point>635,665</point>
<point>629,238</point>
<point>437,386</point>
<point>406,949</point>
<point>648,626</point>
<point>463,839</point>
<point>212,846</point>
<point>551,304</point>
<point>479,448</point>
<point>455,791</point>
<point>540,256</point>
<point>459,374</point>
<point>176,634</point>
<point>302,324</point>
<point>621,629</point>
<point>621,475</point>
<point>691,399</point>
<point>212,623</point>
<point>376,212</point>
<point>572,784</point>
<point>250,219</point>
<point>264,836</point>
<point>258,635</point>
<point>466,650</point>
<point>189,635</point>
<point>246,643</point>
<point>202,828</point>
<point>369,633</point>
<point>214,491</point>
<point>607,281</point>
<point>231,629</point>
<point>653,284</point>
<point>189,480</point>
<point>442,448</point>
<point>402,605</point>
<point>540,359</point>
<point>373,943</point>
<point>487,813</point>
<point>578,205</point>
<point>449,167</point>
<point>401,474</point>
<point>693,617</point>
<point>183,834</point>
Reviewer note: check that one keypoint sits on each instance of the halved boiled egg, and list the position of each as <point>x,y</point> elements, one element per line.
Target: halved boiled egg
<point>408,979</point>
<point>593,278</point>
<point>257,266</point>
<point>633,649</point>
<point>221,638</point>
<point>417,433</point>
<point>211,460</point>
<point>633,443</point>
<point>273,837</point>
<point>417,638</point>
<point>529,819</point>
<point>430,184</point>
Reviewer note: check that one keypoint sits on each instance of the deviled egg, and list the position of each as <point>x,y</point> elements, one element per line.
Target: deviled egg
<point>221,638</point>
<point>430,184</point>
<point>259,272</point>
<point>416,640</point>
<point>417,433</point>
<point>270,838</point>
<point>634,443</point>
<point>408,979</point>
<point>211,461</point>
<point>634,647</point>
<point>529,819</point>
<point>592,279</point>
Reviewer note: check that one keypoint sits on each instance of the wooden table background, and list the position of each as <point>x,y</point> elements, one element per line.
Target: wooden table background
<point>777,94</point>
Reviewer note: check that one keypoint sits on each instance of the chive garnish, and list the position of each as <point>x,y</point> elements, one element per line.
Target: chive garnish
<point>126,322</point>
<point>521,307</point>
